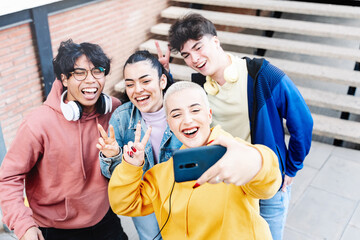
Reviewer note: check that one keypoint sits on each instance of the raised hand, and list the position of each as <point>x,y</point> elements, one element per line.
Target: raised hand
<point>32,233</point>
<point>163,59</point>
<point>238,166</point>
<point>107,144</point>
<point>134,152</point>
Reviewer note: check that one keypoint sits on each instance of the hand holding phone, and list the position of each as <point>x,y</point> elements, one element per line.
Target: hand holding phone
<point>191,163</point>
<point>238,166</point>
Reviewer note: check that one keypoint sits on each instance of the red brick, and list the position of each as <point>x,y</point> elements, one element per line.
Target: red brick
<point>14,84</point>
<point>8,108</point>
<point>119,32</point>
<point>6,65</point>
<point>10,120</point>
<point>11,56</point>
<point>8,93</point>
<point>26,71</point>
<point>4,51</point>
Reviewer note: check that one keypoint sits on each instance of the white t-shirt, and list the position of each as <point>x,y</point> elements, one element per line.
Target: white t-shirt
<point>230,104</point>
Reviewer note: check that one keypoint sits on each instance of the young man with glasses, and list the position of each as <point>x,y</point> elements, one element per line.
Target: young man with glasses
<point>54,156</point>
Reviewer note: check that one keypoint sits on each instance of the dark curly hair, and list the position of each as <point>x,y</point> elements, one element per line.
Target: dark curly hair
<point>191,26</point>
<point>69,52</point>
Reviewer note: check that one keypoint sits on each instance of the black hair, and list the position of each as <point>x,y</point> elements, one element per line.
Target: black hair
<point>191,26</point>
<point>144,55</point>
<point>69,52</point>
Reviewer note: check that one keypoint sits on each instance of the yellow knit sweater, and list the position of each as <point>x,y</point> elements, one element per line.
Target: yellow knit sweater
<point>211,211</point>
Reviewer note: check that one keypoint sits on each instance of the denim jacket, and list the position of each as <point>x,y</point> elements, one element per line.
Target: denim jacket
<point>124,120</point>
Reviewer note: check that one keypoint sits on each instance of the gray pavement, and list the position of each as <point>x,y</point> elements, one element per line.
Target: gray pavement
<point>325,200</point>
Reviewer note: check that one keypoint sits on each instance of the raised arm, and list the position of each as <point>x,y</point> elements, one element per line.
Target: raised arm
<point>163,59</point>
<point>127,192</point>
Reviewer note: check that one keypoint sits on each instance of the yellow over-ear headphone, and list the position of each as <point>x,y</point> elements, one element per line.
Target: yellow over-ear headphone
<point>231,75</point>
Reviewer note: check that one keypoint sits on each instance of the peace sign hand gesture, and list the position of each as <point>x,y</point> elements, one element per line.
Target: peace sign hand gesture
<point>134,151</point>
<point>163,59</point>
<point>107,145</point>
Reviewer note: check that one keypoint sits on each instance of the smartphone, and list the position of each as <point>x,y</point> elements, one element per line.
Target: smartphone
<point>191,163</point>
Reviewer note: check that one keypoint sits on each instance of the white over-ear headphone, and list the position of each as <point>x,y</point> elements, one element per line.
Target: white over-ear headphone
<point>72,110</point>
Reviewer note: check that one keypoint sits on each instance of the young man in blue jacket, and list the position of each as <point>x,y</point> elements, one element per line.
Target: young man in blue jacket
<point>249,98</point>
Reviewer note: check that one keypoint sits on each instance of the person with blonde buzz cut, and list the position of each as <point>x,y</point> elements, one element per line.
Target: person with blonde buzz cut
<point>223,203</point>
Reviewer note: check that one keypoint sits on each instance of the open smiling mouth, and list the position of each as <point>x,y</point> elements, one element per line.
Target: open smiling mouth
<point>201,65</point>
<point>141,99</point>
<point>87,91</point>
<point>190,132</point>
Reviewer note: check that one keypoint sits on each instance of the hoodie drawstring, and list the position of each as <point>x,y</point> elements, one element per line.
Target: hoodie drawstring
<point>81,150</point>
<point>187,215</point>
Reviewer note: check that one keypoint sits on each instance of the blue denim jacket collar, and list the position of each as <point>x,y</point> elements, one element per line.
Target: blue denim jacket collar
<point>135,117</point>
<point>164,156</point>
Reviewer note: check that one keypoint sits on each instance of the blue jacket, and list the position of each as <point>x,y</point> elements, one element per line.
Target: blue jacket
<point>124,120</point>
<point>272,97</point>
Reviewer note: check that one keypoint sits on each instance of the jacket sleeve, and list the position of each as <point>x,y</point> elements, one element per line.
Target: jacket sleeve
<point>267,181</point>
<point>128,194</point>
<point>299,122</point>
<point>18,162</point>
<point>108,165</point>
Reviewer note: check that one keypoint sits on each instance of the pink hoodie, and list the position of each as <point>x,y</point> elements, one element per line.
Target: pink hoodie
<point>59,162</point>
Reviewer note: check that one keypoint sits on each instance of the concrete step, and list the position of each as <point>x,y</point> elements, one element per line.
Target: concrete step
<point>336,128</point>
<point>313,97</point>
<point>292,68</point>
<point>327,10</point>
<point>276,44</point>
<point>324,126</point>
<point>268,23</point>
<point>340,102</point>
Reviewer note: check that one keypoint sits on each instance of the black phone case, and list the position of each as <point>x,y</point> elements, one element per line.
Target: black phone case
<point>191,163</point>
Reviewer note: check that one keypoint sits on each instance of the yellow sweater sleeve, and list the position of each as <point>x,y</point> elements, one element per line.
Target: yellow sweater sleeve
<point>128,194</point>
<point>267,181</point>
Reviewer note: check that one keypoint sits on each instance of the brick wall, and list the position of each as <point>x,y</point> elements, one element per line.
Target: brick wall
<point>20,84</point>
<point>117,26</point>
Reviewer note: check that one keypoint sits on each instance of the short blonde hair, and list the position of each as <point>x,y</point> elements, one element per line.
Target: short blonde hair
<point>182,85</point>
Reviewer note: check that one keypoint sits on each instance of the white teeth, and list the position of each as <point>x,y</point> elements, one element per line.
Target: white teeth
<point>190,131</point>
<point>201,65</point>
<point>90,90</point>
<point>141,98</point>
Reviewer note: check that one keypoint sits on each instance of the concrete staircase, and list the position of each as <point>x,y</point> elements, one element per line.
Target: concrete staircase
<point>326,104</point>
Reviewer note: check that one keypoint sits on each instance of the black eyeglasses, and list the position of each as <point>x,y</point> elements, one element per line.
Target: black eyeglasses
<point>81,74</point>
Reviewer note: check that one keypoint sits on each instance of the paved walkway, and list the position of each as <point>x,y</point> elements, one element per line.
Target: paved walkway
<point>325,197</point>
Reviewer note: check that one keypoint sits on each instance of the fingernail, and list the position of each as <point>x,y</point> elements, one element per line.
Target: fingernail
<point>210,141</point>
<point>131,154</point>
<point>134,149</point>
<point>196,185</point>
<point>128,153</point>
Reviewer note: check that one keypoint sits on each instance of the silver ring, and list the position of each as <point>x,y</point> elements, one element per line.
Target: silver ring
<point>217,179</point>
